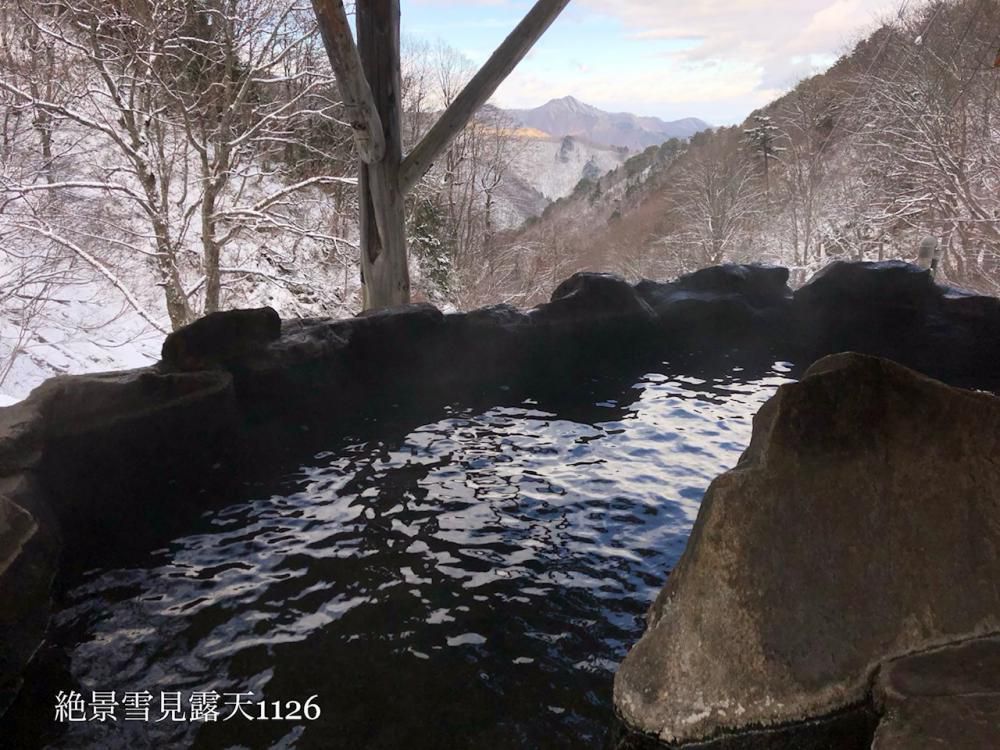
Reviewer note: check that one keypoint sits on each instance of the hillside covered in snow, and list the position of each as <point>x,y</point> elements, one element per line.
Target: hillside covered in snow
<point>139,191</point>
<point>896,144</point>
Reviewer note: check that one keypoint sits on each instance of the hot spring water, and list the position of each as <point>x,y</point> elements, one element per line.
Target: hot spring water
<point>470,583</point>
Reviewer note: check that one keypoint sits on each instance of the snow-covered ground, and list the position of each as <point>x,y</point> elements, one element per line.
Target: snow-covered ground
<point>555,166</point>
<point>59,314</point>
<point>547,169</point>
<point>83,328</point>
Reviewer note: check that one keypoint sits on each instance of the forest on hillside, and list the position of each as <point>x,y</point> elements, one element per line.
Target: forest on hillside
<point>898,141</point>
<point>163,159</point>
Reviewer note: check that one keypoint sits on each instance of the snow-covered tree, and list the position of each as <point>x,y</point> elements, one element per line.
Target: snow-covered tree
<point>451,212</point>
<point>930,136</point>
<point>763,138</point>
<point>172,119</point>
<point>714,200</point>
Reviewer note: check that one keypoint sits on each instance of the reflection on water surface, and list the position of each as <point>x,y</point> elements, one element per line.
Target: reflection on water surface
<point>470,584</point>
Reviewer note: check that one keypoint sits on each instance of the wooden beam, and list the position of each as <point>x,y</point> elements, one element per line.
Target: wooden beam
<point>357,94</point>
<point>382,218</point>
<point>478,91</point>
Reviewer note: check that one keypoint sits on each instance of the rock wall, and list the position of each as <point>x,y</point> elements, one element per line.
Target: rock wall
<point>83,459</point>
<point>944,698</point>
<point>862,524</point>
<point>76,460</point>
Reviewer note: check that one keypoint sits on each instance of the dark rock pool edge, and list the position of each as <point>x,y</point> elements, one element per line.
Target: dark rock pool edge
<point>852,728</point>
<point>79,442</point>
<point>853,549</point>
<point>947,696</point>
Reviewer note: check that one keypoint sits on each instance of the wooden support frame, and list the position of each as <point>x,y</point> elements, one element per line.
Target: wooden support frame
<point>384,262</point>
<point>479,90</point>
<point>369,78</point>
<point>335,29</point>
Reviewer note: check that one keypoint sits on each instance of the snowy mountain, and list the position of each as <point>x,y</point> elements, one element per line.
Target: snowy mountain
<point>842,166</point>
<point>545,169</point>
<point>566,141</point>
<point>569,116</point>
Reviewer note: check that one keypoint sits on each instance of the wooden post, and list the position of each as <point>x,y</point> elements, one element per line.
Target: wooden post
<point>478,91</point>
<point>370,83</point>
<point>335,29</point>
<point>384,267</point>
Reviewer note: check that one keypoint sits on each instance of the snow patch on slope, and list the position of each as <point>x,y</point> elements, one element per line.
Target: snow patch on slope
<point>82,329</point>
<point>554,167</point>
<point>544,170</point>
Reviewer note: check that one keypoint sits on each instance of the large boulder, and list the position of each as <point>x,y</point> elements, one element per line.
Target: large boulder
<point>894,309</point>
<point>219,338</point>
<point>862,523</point>
<point>728,305</point>
<point>585,296</point>
<point>80,460</point>
<point>876,308</point>
<point>28,563</point>
<point>759,284</point>
<point>112,440</point>
<point>891,284</point>
<point>29,545</point>
<point>21,430</point>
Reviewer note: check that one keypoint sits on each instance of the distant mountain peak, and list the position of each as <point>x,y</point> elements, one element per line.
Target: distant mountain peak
<point>568,116</point>
<point>570,102</point>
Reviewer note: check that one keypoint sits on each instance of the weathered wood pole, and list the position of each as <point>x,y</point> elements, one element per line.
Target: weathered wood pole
<point>478,90</point>
<point>382,220</point>
<point>370,83</point>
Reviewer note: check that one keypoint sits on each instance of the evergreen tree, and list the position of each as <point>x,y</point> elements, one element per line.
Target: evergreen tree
<point>763,139</point>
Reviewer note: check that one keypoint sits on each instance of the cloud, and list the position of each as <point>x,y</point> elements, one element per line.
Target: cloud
<point>716,59</point>
<point>772,36</point>
<point>713,92</point>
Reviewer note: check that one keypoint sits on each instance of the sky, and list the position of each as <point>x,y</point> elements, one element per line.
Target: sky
<point>714,59</point>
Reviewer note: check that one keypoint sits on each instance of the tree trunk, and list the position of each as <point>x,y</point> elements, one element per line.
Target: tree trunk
<point>384,270</point>
<point>211,252</point>
<point>177,304</point>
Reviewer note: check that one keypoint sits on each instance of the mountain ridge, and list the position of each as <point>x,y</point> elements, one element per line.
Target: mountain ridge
<point>568,116</point>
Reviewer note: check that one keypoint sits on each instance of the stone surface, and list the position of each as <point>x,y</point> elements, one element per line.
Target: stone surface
<point>892,284</point>
<point>85,403</point>
<point>220,337</point>
<point>600,320</point>
<point>74,457</point>
<point>946,699</point>
<point>863,522</point>
<point>723,306</point>
<point>762,285</point>
<point>28,564</point>
<point>85,449</point>
<point>585,296</point>
<point>17,527</point>
<point>20,437</point>
<point>894,309</point>
<point>110,439</point>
